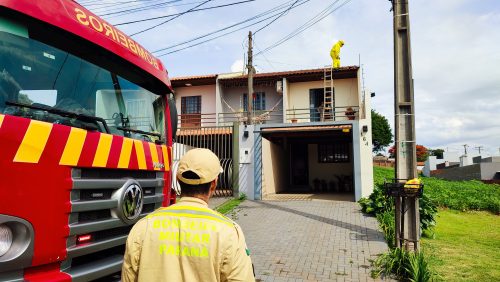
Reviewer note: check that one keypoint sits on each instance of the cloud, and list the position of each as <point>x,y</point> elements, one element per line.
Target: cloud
<point>238,66</point>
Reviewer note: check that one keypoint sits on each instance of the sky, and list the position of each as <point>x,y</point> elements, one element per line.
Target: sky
<point>455,54</point>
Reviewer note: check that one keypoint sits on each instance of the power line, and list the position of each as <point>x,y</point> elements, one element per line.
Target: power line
<point>269,62</point>
<point>140,8</point>
<point>279,16</point>
<point>125,4</point>
<point>306,25</point>
<point>171,15</point>
<point>162,23</point>
<point>210,39</point>
<point>272,10</point>
<point>111,3</point>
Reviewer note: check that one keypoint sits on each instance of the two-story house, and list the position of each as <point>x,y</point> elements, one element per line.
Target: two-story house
<point>311,133</point>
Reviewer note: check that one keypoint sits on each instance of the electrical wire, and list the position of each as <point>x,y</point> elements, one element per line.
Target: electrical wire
<point>323,14</point>
<point>105,11</point>
<point>171,15</point>
<point>124,4</point>
<point>147,8</point>
<point>213,38</point>
<point>126,10</point>
<point>164,22</point>
<point>272,10</point>
<point>269,62</point>
<point>279,16</point>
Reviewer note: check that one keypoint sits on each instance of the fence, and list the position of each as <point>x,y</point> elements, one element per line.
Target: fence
<point>219,139</point>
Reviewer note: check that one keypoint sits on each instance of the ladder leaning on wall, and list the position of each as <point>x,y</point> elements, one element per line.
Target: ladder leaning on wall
<point>328,110</point>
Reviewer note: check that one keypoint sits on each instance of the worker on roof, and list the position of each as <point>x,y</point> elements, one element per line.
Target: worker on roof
<point>188,241</point>
<point>335,53</point>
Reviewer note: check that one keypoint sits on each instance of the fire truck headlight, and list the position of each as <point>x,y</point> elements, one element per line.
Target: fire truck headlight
<point>5,239</point>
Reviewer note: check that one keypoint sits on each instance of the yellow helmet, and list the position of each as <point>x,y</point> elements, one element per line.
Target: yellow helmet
<point>341,42</point>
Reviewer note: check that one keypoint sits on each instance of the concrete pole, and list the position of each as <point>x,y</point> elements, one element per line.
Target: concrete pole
<point>408,222</point>
<point>250,79</point>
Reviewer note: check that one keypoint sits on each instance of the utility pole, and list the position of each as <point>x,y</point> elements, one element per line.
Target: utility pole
<point>479,149</point>
<point>404,108</point>
<point>465,148</point>
<point>250,79</point>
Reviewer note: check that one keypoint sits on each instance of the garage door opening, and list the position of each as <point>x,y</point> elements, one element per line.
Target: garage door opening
<point>308,163</point>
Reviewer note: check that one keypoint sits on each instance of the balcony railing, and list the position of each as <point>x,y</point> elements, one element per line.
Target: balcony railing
<point>258,117</point>
<point>320,115</point>
<point>271,116</point>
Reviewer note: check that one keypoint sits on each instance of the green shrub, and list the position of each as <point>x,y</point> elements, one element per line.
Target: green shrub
<point>463,195</point>
<point>387,223</point>
<point>377,202</point>
<point>457,195</point>
<point>418,268</point>
<point>380,204</point>
<point>428,212</point>
<point>404,265</point>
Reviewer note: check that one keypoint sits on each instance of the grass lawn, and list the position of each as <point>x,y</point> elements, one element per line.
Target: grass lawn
<point>466,246</point>
<point>228,206</point>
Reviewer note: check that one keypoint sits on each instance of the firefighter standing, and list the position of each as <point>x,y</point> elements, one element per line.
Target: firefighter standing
<point>335,54</point>
<point>188,241</point>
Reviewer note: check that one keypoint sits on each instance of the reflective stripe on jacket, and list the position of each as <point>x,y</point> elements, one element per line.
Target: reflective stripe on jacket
<point>186,242</point>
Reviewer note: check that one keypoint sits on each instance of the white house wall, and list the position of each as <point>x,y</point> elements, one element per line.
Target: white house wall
<point>363,169</point>
<point>346,93</point>
<point>234,97</point>
<point>207,93</point>
<point>274,169</point>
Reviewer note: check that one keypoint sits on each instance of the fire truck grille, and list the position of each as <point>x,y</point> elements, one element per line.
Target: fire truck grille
<point>97,236</point>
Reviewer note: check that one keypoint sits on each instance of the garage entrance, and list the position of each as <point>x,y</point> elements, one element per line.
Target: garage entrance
<point>312,160</point>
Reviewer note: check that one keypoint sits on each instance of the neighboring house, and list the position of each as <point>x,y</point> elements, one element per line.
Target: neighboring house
<point>311,133</point>
<point>465,167</point>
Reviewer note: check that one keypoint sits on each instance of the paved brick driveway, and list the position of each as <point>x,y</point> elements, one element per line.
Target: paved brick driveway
<point>315,240</point>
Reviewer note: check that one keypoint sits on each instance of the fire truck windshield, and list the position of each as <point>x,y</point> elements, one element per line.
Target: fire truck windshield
<point>43,78</point>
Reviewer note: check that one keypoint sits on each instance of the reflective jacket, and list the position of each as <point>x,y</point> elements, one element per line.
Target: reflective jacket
<point>186,242</point>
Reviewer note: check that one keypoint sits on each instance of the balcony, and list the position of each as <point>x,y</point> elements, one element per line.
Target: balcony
<point>271,116</point>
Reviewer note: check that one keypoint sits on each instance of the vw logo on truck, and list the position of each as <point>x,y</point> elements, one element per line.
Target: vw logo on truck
<point>130,201</point>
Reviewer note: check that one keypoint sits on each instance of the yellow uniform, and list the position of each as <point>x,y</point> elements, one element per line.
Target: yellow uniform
<point>335,54</point>
<point>186,242</point>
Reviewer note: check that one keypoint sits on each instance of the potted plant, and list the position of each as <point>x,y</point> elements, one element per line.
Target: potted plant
<point>350,113</point>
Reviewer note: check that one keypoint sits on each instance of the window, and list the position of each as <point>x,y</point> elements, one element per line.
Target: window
<point>191,111</point>
<point>334,153</point>
<point>259,101</point>
<point>45,83</point>
<point>191,105</point>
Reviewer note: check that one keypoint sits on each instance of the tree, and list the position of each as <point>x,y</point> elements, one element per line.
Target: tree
<point>381,132</point>
<point>422,153</point>
<point>436,152</point>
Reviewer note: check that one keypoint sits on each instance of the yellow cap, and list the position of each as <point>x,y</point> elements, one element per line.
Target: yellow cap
<point>203,163</point>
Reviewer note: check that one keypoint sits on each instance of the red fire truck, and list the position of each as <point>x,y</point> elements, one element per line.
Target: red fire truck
<point>86,124</point>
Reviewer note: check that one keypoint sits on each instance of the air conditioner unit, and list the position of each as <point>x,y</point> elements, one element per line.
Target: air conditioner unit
<point>279,87</point>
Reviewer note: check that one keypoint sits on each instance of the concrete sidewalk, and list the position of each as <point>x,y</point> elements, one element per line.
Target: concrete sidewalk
<point>315,240</point>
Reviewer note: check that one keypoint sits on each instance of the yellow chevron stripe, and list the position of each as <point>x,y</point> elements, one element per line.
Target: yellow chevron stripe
<point>34,142</point>
<point>1,120</point>
<point>102,152</point>
<point>125,153</point>
<point>165,157</point>
<point>74,146</point>
<point>154,155</point>
<point>141,157</point>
